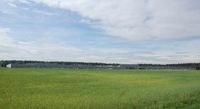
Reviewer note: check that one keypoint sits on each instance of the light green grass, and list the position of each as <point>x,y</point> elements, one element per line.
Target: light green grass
<point>99,89</point>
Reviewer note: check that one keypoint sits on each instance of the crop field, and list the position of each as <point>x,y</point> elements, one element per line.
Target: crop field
<point>99,89</point>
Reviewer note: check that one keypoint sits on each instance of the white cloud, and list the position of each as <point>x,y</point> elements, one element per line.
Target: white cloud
<point>128,19</point>
<point>12,5</point>
<point>138,19</point>
<point>39,11</point>
<point>24,1</point>
<point>4,37</point>
<point>45,50</point>
<point>11,48</point>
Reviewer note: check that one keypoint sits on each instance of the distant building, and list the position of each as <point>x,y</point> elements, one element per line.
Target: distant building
<point>129,66</point>
<point>9,65</point>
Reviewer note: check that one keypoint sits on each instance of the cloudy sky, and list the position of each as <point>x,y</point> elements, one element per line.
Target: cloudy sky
<point>112,31</point>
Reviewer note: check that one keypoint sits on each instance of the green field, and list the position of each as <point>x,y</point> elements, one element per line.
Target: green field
<point>99,89</point>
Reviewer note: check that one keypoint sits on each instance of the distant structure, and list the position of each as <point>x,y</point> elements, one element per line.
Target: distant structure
<point>9,65</point>
<point>128,66</point>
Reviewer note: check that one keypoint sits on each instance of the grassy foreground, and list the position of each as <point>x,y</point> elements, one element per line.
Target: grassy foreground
<point>99,89</point>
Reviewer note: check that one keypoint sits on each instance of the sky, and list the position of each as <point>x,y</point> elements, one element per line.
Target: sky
<point>109,31</point>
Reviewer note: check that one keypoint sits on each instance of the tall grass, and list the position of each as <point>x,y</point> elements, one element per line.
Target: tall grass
<point>99,89</point>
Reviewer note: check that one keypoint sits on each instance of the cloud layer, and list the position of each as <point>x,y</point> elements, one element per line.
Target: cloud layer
<point>138,19</point>
<point>44,50</point>
<point>74,30</point>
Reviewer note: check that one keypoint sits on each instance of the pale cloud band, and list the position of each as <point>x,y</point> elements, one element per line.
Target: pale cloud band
<point>42,50</point>
<point>138,19</point>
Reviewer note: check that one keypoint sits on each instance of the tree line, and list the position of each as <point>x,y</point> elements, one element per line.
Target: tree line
<point>47,64</point>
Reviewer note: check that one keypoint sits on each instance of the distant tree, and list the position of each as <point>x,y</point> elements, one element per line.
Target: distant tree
<point>0,63</point>
<point>198,68</point>
<point>3,63</point>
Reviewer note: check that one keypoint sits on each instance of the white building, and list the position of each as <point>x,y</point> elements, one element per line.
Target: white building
<point>9,65</point>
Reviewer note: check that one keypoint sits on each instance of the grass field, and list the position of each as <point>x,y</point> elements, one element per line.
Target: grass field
<point>99,89</point>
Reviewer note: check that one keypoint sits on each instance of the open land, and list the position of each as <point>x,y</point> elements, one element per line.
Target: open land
<point>31,88</point>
